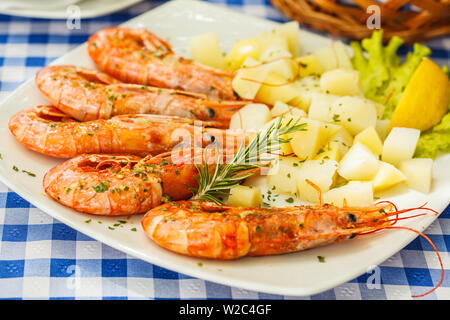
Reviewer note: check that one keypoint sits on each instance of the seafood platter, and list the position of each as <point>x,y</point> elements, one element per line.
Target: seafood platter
<point>257,155</point>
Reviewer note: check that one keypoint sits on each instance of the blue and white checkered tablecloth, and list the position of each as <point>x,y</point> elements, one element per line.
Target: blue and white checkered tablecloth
<point>42,258</point>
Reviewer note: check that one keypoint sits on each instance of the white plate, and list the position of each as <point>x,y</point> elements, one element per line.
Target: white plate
<point>291,274</point>
<point>88,9</point>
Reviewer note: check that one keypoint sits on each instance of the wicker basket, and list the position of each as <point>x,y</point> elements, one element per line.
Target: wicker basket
<point>413,20</point>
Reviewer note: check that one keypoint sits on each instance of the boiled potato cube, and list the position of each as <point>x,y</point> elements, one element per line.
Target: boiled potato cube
<point>285,149</point>
<point>321,106</point>
<point>306,143</point>
<point>319,172</point>
<point>292,117</point>
<point>309,65</point>
<point>242,50</point>
<point>305,88</point>
<point>329,152</point>
<point>281,108</point>
<point>282,176</point>
<point>342,82</point>
<point>291,32</point>
<point>276,88</point>
<point>353,194</point>
<point>359,163</point>
<point>248,79</point>
<point>245,196</point>
<point>205,49</point>
<point>296,113</point>
<point>334,56</point>
<point>311,82</point>
<point>382,128</point>
<point>344,140</point>
<point>270,38</point>
<point>354,113</point>
<point>278,60</point>
<point>333,129</point>
<point>369,137</point>
<point>387,176</point>
<point>251,117</point>
<point>302,100</point>
<point>400,145</point>
<point>419,173</point>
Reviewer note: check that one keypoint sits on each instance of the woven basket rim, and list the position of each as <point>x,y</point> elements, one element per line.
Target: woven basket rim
<point>413,20</point>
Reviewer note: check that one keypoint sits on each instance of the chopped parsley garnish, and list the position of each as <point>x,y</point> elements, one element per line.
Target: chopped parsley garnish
<point>321,259</point>
<point>290,200</point>
<point>31,174</point>
<point>101,187</point>
<point>336,118</point>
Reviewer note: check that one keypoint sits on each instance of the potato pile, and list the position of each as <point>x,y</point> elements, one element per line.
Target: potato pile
<point>346,150</point>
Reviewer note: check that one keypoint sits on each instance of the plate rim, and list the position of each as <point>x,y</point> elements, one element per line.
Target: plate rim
<point>62,14</point>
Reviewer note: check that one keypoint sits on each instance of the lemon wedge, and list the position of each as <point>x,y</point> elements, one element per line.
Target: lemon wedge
<point>425,99</point>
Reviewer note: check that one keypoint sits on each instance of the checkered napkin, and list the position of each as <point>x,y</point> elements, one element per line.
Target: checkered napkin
<point>43,258</point>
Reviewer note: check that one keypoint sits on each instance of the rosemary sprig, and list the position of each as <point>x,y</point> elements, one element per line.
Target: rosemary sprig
<point>211,185</point>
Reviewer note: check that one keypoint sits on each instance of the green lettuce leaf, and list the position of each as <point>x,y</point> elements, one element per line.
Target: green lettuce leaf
<point>383,76</point>
<point>435,141</point>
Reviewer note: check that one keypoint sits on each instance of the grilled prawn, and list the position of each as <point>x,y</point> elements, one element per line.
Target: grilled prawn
<point>50,132</point>
<point>138,56</point>
<point>209,230</point>
<point>126,184</point>
<point>87,94</point>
